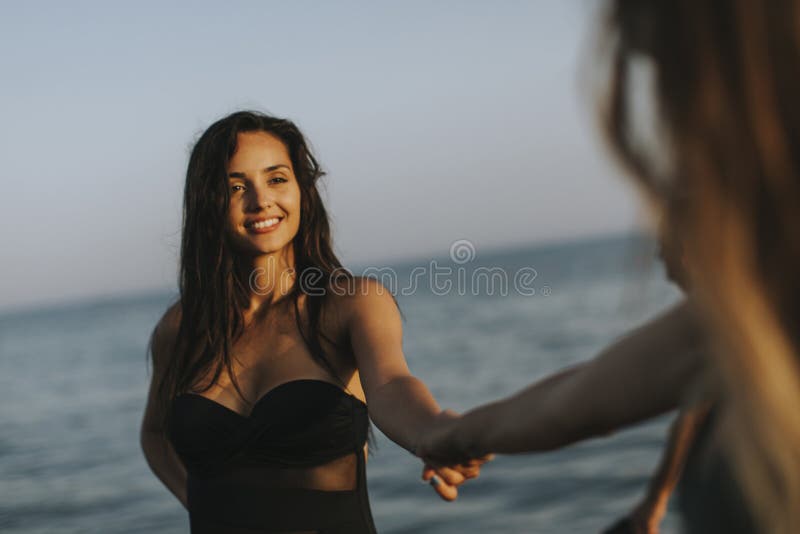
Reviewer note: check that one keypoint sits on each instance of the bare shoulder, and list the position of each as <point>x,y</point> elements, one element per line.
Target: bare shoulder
<point>162,340</point>
<point>359,296</point>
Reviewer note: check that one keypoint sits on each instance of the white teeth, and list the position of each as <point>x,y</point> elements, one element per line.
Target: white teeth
<point>266,224</point>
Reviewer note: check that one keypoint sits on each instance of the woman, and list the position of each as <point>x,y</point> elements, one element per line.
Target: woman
<point>726,178</point>
<point>257,414</point>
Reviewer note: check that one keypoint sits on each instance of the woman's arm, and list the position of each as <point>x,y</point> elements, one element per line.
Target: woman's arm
<point>158,451</point>
<point>399,403</point>
<point>644,374</point>
<point>647,515</point>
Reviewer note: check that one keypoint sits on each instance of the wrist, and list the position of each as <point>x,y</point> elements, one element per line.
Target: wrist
<point>433,425</point>
<point>473,438</point>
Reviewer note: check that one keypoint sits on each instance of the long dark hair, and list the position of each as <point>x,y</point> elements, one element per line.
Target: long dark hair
<point>213,293</point>
<point>726,80</point>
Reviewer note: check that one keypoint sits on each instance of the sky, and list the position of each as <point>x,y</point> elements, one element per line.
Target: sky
<point>435,121</point>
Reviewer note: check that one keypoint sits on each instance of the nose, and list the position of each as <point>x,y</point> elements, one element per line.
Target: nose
<point>261,198</point>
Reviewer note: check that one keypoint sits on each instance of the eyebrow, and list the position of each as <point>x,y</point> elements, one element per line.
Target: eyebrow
<point>268,169</point>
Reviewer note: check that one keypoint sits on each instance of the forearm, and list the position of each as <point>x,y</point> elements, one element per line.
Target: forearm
<point>641,376</point>
<point>547,416</point>
<point>165,463</point>
<point>404,409</point>
<point>530,421</point>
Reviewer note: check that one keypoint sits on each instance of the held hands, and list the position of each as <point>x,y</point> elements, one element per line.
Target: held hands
<point>445,480</point>
<point>446,468</point>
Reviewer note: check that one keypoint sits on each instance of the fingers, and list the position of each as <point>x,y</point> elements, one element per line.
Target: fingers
<point>427,472</point>
<point>448,471</point>
<point>445,480</point>
<point>451,476</point>
<point>445,490</point>
<point>447,460</point>
<point>467,465</point>
<point>479,461</point>
<point>468,471</point>
<point>443,456</point>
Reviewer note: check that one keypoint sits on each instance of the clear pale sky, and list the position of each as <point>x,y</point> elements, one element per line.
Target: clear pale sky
<point>436,121</point>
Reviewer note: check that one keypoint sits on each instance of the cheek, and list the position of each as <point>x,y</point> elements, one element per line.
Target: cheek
<point>293,202</point>
<point>294,205</point>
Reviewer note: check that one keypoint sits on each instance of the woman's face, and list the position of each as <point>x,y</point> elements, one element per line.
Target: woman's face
<point>264,214</point>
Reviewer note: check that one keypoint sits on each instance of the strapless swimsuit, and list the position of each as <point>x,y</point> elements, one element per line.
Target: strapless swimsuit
<point>295,465</point>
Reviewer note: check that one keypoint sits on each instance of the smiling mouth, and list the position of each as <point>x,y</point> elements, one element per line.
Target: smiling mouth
<point>263,225</point>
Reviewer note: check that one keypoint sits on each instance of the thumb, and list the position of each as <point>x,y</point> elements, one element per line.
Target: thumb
<point>427,472</point>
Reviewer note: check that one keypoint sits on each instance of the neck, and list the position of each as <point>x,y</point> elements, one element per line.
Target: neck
<point>270,277</point>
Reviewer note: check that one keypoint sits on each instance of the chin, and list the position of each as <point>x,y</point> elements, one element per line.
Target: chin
<point>262,249</point>
<point>251,248</point>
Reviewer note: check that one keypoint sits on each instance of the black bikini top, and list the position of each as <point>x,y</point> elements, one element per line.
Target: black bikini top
<point>301,423</point>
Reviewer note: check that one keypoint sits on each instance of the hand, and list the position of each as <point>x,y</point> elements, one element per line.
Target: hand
<point>446,476</point>
<point>644,519</point>
<point>445,480</point>
<point>442,446</point>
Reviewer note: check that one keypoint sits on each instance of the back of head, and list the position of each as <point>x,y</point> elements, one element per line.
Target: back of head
<point>726,80</point>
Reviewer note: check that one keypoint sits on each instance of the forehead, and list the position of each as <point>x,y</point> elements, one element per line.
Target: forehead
<point>256,151</point>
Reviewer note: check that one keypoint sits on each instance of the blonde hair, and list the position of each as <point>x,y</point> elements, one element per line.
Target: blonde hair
<point>726,80</point>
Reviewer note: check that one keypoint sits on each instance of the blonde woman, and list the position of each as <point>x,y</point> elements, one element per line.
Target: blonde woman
<point>726,178</point>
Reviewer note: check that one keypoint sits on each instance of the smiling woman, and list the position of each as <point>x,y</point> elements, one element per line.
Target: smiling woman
<point>257,415</point>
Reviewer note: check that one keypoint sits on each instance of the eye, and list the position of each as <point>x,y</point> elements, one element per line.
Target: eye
<point>237,188</point>
<point>277,180</point>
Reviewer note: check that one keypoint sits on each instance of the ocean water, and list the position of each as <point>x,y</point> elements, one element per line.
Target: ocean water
<point>73,382</point>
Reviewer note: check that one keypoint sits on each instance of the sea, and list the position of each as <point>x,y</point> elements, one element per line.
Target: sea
<point>478,326</point>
